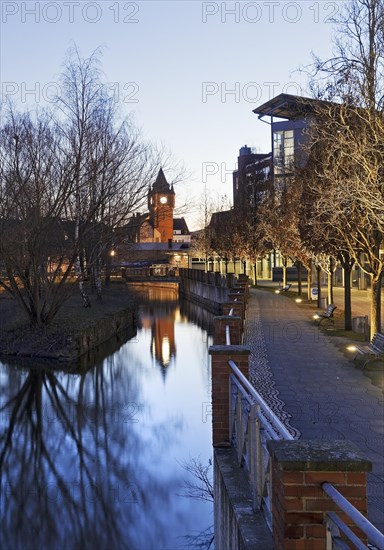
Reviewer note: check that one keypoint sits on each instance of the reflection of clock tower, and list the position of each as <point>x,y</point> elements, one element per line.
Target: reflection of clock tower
<point>161,202</point>
<point>163,346</point>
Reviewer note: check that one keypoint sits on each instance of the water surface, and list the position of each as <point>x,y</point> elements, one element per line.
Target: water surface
<point>95,459</point>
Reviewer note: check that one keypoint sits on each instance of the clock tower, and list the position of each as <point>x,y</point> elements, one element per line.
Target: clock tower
<point>161,202</point>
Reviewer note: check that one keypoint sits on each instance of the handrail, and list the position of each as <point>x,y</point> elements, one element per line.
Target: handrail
<point>227,336</point>
<point>267,412</point>
<point>374,535</point>
<point>334,524</point>
<point>227,330</point>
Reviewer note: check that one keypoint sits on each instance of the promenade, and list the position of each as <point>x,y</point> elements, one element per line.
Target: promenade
<point>316,390</point>
<point>360,298</point>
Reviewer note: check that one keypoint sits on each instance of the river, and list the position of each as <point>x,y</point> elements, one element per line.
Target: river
<point>102,459</point>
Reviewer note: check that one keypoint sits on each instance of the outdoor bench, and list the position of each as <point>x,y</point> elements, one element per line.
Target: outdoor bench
<point>374,349</point>
<point>283,289</point>
<point>327,314</point>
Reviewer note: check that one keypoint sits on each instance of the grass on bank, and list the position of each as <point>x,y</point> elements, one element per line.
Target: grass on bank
<point>18,338</point>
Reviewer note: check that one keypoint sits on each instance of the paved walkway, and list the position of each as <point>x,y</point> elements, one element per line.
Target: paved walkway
<point>315,389</point>
<point>360,298</point>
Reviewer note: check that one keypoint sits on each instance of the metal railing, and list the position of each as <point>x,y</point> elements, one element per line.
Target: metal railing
<point>227,330</point>
<point>335,524</point>
<point>252,423</point>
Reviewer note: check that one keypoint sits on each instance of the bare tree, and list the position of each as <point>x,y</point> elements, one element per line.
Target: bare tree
<point>69,181</point>
<point>35,256</point>
<point>112,167</point>
<point>349,135</point>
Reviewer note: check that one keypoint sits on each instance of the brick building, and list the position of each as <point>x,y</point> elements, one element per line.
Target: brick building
<point>156,238</point>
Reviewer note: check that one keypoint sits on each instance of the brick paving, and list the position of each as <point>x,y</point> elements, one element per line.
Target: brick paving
<point>313,387</point>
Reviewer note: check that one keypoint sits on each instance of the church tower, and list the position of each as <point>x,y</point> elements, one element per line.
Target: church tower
<point>161,202</point>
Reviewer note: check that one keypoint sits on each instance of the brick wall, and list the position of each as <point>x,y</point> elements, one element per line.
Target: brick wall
<point>220,387</point>
<point>298,501</point>
<point>235,325</point>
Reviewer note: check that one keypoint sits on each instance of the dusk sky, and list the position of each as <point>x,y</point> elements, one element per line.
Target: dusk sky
<point>190,71</point>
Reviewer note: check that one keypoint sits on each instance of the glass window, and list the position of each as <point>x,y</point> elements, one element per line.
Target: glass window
<point>283,150</point>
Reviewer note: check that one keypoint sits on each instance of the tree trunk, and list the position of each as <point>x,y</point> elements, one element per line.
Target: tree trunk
<point>78,261</point>
<point>347,298</point>
<point>318,270</point>
<point>330,280</point>
<point>244,267</point>
<point>80,280</point>
<point>298,267</point>
<point>108,268</point>
<point>285,271</point>
<point>329,288</point>
<point>309,281</point>
<point>375,304</point>
<point>255,271</point>
<point>98,277</point>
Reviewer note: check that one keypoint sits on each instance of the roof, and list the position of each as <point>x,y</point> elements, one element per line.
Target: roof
<point>161,185</point>
<point>288,106</point>
<point>137,220</point>
<point>221,218</point>
<point>179,224</point>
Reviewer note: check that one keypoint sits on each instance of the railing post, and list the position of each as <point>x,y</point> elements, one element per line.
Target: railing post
<point>235,325</point>
<point>253,437</point>
<point>299,503</point>
<point>236,308</point>
<point>239,297</point>
<point>239,429</point>
<point>221,371</point>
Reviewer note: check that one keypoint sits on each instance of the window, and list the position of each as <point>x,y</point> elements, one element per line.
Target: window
<point>283,150</point>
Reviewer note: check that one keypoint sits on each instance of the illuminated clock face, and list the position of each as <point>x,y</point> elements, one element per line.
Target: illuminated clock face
<point>163,200</point>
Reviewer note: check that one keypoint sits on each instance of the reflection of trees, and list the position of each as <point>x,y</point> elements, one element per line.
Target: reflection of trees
<point>68,451</point>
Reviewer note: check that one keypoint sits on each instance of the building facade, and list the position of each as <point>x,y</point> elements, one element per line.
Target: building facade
<point>251,177</point>
<point>156,241</point>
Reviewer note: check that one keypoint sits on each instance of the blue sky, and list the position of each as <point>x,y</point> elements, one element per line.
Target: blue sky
<point>190,71</point>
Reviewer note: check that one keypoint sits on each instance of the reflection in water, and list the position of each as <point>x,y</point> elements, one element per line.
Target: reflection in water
<point>161,320</point>
<point>94,459</point>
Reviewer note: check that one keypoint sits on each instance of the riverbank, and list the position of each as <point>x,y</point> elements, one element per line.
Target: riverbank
<point>75,330</point>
